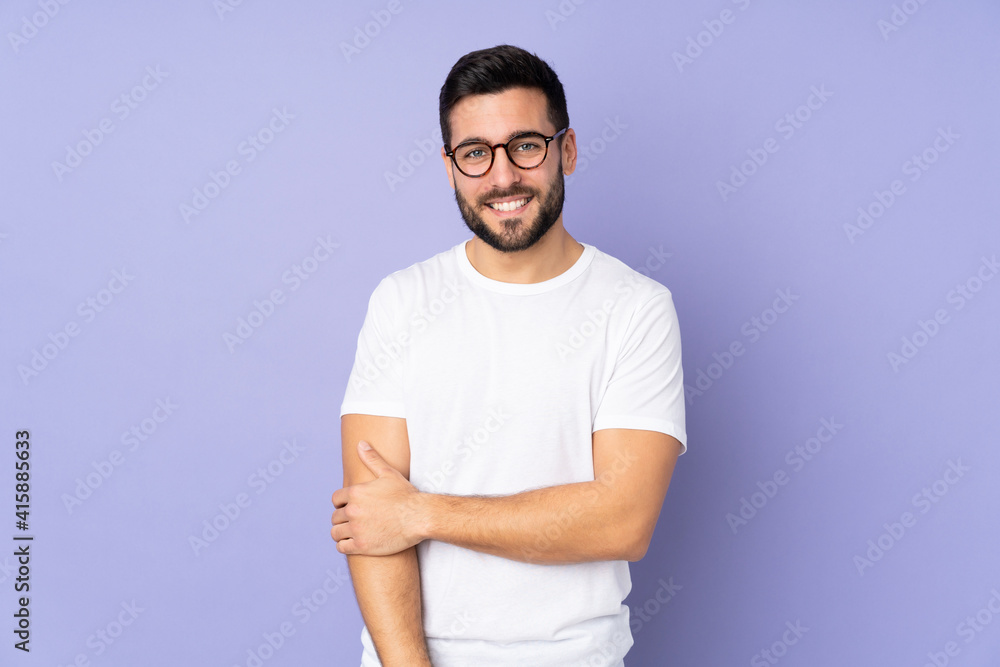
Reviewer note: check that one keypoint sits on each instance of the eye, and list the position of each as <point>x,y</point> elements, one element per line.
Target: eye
<point>476,152</point>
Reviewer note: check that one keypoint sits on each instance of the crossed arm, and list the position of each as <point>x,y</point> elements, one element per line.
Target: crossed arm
<point>609,518</point>
<point>380,517</point>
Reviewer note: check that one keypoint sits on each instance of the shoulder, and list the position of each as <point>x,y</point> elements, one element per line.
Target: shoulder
<point>630,287</point>
<point>412,285</point>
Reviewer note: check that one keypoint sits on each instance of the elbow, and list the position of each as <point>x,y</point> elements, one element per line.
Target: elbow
<point>636,552</point>
<point>636,543</point>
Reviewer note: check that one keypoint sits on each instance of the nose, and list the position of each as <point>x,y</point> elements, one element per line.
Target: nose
<point>504,173</point>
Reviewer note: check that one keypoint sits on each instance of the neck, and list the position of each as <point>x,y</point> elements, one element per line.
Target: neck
<point>553,255</point>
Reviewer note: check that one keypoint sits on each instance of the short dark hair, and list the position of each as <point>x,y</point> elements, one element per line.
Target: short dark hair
<point>494,70</point>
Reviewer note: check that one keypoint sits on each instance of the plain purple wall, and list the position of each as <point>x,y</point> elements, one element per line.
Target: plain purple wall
<point>669,100</point>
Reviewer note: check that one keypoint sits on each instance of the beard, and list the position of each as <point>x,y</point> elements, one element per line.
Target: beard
<point>516,234</point>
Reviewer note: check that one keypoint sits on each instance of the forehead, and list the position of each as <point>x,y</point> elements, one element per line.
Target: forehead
<point>494,117</point>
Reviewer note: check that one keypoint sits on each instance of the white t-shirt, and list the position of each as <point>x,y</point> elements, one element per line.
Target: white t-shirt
<point>502,386</point>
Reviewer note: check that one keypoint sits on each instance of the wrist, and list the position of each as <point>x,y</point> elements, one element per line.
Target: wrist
<point>413,655</point>
<point>425,524</point>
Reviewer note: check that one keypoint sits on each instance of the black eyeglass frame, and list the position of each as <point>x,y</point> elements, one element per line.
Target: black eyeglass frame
<point>506,148</point>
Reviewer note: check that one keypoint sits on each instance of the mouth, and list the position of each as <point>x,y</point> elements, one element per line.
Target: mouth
<point>509,204</point>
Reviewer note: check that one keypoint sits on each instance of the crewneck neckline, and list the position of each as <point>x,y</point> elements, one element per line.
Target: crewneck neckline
<point>581,264</point>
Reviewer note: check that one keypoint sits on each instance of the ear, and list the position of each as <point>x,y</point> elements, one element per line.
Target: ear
<point>569,152</point>
<point>448,167</point>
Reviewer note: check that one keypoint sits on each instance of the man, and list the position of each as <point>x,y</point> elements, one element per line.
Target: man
<point>514,413</point>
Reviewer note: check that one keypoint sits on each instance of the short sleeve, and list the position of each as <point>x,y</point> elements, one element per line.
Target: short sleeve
<point>375,386</point>
<point>646,389</point>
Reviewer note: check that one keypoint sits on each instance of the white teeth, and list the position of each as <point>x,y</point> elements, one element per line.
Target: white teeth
<point>509,205</point>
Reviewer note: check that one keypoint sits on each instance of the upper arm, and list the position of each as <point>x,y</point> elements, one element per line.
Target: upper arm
<point>386,434</point>
<point>636,466</point>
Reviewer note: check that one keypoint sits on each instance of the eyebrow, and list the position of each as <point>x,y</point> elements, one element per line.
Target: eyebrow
<point>509,137</point>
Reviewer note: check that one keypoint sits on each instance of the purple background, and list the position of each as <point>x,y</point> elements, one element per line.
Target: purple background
<point>648,188</point>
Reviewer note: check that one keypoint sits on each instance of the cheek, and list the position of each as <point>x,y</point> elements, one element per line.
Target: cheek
<point>466,198</point>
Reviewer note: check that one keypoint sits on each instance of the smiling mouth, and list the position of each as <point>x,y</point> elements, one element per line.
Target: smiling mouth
<point>507,206</point>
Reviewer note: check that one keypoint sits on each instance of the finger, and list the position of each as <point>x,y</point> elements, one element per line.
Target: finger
<point>339,497</point>
<point>341,531</point>
<point>339,516</point>
<point>346,546</point>
<point>373,460</point>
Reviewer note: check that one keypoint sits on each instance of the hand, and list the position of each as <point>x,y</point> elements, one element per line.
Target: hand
<point>378,518</point>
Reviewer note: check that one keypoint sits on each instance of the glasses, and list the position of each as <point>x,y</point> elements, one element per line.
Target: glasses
<point>526,151</point>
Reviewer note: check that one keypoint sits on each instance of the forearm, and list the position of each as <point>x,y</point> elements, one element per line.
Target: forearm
<point>388,592</point>
<point>569,523</point>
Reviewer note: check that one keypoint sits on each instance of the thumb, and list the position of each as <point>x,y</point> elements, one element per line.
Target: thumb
<point>372,459</point>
